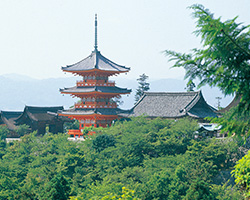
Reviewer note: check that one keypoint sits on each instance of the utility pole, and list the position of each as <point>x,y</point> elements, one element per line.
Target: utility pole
<point>218,103</point>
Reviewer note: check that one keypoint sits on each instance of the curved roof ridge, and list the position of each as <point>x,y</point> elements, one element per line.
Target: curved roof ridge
<point>170,93</point>
<point>194,100</point>
<point>142,97</point>
<point>110,61</point>
<point>67,66</point>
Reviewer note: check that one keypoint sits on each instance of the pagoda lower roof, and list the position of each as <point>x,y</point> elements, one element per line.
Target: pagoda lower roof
<point>95,89</point>
<point>95,61</point>
<point>98,111</point>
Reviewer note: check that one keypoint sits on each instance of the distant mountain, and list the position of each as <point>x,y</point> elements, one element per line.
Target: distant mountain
<point>16,91</point>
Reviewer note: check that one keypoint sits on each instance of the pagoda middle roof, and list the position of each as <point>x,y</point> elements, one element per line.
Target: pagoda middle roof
<point>95,61</point>
<point>102,89</point>
<point>91,111</point>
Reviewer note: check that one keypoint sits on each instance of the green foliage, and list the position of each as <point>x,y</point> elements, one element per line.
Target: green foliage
<point>223,61</point>
<point>103,141</point>
<point>143,86</point>
<point>190,86</point>
<point>71,125</point>
<point>233,122</point>
<point>23,130</point>
<point>225,192</point>
<point>199,190</point>
<point>56,188</point>
<point>100,193</point>
<point>158,159</point>
<point>4,131</point>
<point>242,174</point>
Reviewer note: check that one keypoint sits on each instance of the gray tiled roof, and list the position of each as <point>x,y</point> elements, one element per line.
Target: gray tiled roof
<point>96,61</point>
<point>9,117</point>
<point>102,89</point>
<point>39,113</point>
<point>172,105</point>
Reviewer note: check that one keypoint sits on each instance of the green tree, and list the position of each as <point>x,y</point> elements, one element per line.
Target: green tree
<point>242,174</point>
<point>224,60</point>
<point>199,190</point>
<point>103,141</point>
<point>23,129</point>
<point>190,86</point>
<point>143,86</point>
<point>4,131</point>
<point>225,192</point>
<point>56,188</point>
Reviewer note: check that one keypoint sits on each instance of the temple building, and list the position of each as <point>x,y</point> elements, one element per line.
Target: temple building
<point>7,118</point>
<point>172,105</point>
<point>38,118</point>
<point>97,106</point>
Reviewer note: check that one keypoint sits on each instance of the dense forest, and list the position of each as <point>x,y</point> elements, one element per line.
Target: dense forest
<point>135,159</point>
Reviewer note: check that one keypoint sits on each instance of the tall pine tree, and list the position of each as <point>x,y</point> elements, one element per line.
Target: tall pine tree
<point>143,86</point>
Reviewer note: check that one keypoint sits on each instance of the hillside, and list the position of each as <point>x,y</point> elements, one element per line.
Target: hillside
<point>157,159</point>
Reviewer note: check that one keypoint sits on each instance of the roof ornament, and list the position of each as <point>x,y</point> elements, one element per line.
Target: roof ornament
<point>96,33</point>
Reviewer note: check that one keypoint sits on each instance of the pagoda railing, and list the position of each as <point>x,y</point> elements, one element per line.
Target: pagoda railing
<point>95,83</point>
<point>96,105</point>
<point>75,132</point>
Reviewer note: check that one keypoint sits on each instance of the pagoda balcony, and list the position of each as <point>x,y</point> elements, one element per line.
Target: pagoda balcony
<point>95,83</point>
<point>96,105</point>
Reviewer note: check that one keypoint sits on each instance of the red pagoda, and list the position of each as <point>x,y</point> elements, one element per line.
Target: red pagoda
<point>97,106</point>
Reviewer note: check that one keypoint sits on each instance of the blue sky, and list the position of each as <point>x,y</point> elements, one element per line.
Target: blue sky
<point>40,36</point>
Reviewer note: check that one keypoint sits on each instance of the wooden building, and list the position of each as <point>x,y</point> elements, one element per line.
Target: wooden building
<point>96,92</point>
<point>172,105</point>
<point>7,118</point>
<point>38,118</point>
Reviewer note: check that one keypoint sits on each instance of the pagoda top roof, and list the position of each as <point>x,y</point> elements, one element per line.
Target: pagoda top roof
<point>95,61</point>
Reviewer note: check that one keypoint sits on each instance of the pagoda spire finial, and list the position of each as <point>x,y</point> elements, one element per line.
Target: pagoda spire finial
<point>96,33</point>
